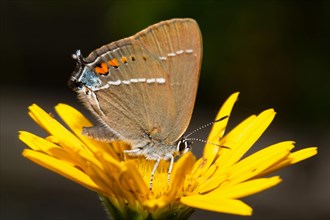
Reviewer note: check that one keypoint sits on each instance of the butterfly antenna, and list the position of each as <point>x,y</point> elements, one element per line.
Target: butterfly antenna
<point>206,142</point>
<point>206,125</point>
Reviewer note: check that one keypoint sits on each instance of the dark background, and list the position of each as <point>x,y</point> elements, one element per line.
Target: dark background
<point>276,53</point>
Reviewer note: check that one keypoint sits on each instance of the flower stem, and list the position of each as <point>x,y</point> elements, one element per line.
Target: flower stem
<point>180,212</point>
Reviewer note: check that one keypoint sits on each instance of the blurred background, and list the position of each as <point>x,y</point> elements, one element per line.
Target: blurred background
<point>276,53</point>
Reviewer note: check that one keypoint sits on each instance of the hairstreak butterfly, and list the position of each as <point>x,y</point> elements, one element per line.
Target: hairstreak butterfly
<point>142,89</point>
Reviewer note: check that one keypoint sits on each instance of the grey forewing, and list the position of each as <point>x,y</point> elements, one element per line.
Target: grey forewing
<point>133,108</point>
<point>151,96</point>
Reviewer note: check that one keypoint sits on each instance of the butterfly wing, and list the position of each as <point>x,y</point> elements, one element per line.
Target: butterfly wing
<point>178,43</point>
<point>144,87</point>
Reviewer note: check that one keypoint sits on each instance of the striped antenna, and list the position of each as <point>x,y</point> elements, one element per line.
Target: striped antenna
<point>206,125</point>
<point>206,142</point>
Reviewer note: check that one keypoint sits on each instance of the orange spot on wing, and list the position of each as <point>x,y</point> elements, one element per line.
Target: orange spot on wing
<point>124,59</point>
<point>86,90</point>
<point>103,69</point>
<point>114,63</point>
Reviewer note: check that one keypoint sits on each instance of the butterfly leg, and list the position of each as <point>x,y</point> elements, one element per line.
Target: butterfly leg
<point>170,167</point>
<point>153,172</point>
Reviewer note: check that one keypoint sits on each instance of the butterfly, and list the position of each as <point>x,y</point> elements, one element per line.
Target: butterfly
<point>142,89</point>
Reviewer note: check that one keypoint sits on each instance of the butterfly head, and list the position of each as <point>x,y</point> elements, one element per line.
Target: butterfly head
<point>83,78</point>
<point>74,82</point>
<point>183,146</point>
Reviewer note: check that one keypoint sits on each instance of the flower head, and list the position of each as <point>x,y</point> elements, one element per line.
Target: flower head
<point>214,182</point>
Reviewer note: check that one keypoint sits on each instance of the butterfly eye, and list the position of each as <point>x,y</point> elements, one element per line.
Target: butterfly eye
<point>184,146</point>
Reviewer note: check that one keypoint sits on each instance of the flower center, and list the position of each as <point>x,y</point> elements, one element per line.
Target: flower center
<point>160,182</point>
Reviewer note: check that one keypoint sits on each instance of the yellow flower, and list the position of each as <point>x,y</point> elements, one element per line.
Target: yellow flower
<point>214,182</point>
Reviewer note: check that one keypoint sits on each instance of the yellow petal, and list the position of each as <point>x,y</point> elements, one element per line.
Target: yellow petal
<point>181,168</point>
<point>216,204</point>
<point>76,157</point>
<point>35,142</point>
<point>291,159</point>
<point>209,184</point>
<point>203,164</point>
<point>106,181</point>
<point>248,168</point>
<point>55,128</point>
<point>302,154</point>
<point>61,167</point>
<point>258,162</point>
<point>42,145</point>
<point>133,183</point>
<point>245,189</point>
<point>82,157</point>
<point>107,176</point>
<point>217,131</point>
<point>218,128</point>
<point>124,179</point>
<point>199,164</point>
<point>76,121</point>
<point>208,174</point>
<point>241,139</point>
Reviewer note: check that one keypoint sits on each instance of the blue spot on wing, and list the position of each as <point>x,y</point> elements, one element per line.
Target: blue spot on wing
<point>89,79</point>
